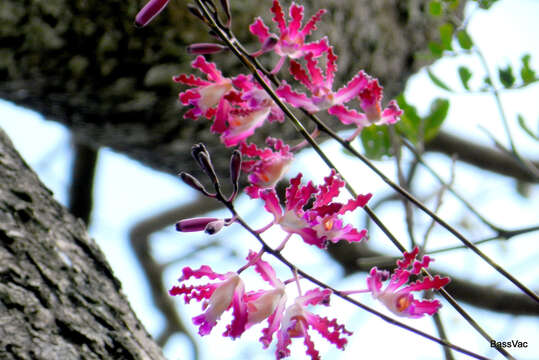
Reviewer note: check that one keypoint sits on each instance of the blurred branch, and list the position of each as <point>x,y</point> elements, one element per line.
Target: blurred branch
<point>481,156</point>
<point>82,181</point>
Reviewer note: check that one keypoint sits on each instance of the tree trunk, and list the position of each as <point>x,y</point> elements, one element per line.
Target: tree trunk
<point>58,296</point>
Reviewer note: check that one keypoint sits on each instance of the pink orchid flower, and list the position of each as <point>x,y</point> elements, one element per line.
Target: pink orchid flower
<point>320,86</point>
<point>206,94</point>
<point>272,164</point>
<point>297,321</point>
<point>218,297</point>
<point>400,301</point>
<point>370,100</point>
<point>291,42</point>
<point>321,223</point>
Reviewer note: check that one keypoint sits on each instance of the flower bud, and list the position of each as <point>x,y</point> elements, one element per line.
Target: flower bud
<point>190,180</point>
<point>205,48</point>
<point>235,168</point>
<point>202,156</point>
<point>195,224</point>
<point>149,11</point>
<point>214,226</point>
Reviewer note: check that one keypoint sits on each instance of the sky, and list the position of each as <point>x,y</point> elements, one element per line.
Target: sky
<point>504,34</point>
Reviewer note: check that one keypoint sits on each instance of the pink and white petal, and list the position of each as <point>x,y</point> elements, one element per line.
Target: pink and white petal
<point>418,308</point>
<point>374,280</point>
<point>329,329</point>
<point>331,68</point>
<point>314,297</point>
<point>203,271</point>
<point>347,116</point>
<point>264,269</point>
<point>391,113</point>
<point>274,321</point>
<point>427,284</point>
<point>314,70</point>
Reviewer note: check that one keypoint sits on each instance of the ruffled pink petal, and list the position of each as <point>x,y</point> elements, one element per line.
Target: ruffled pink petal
<point>310,236</point>
<point>311,351</point>
<point>208,68</point>
<point>314,297</point>
<point>331,68</point>
<point>316,48</point>
<point>278,16</point>
<point>189,97</point>
<point>271,203</point>
<point>352,89</point>
<point>352,204</point>
<point>274,321</point>
<point>408,258</point>
<point>391,113</point>
<point>296,70</point>
<point>298,100</point>
<point>203,271</point>
<point>221,117</point>
<point>260,30</point>
<point>314,70</point>
<point>296,14</point>
<point>191,80</point>
<point>329,329</point>
<point>329,190</point>
<point>350,234</point>
<point>311,24</point>
<point>427,284</point>
<point>264,269</point>
<point>419,308</point>
<point>374,280</point>
<point>347,116</point>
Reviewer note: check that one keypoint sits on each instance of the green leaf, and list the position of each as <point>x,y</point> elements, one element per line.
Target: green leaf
<point>409,122</point>
<point>436,49</point>
<point>435,8</point>
<point>464,39</point>
<point>525,127</point>
<point>432,123</point>
<point>465,75</point>
<point>446,35</point>
<point>437,81</point>
<point>376,141</point>
<point>485,4</point>
<point>526,73</point>
<point>506,76</point>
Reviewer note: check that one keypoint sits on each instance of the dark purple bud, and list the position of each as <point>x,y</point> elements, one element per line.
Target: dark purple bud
<point>235,171</point>
<point>195,11</point>
<point>205,48</point>
<point>149,11</point>
<point>193,182</point>
<point>214,226</point>
<point>194,224</point>
<point>202,156</point>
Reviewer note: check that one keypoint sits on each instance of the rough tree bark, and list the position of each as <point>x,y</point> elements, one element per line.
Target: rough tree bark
<point>58,296</point>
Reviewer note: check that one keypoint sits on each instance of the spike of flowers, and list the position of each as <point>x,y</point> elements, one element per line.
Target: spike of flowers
<point>370,100</point>
<point>272,164</point>
<point>297,321</point>
<point>291,41</point>
<point>320,85</point>
<point>320,223</point>
<point>399,300</point>
<point>218,297</point>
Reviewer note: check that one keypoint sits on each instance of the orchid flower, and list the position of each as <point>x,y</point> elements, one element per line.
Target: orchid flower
<point>297,320</point>
<point>218,297</point>
<point>271,166</point>
<point>320,86</point>
<point>400,301</point>
<point>320,223</point>
<point>370,101</point>
<point>291,42</point>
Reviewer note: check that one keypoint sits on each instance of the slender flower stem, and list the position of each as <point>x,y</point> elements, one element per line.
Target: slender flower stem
<point>469,206</point>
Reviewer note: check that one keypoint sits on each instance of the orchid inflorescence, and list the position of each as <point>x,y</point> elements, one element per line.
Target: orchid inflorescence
<point>237,107</point>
